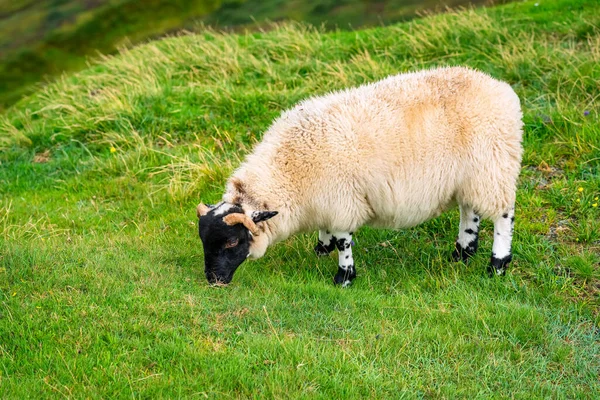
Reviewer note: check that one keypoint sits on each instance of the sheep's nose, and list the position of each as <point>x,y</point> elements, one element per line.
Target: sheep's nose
<point>211,277</point>
<point>217,280</point>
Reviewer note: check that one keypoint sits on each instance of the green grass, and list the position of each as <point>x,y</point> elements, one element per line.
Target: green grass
<point>39,40</point>
<point>330,13</point>
<point>102,292</point>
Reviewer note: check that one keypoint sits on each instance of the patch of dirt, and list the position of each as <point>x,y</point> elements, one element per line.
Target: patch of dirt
<point>42,157</point>
<point>240,313</point>
<point>548,173</point>
<point>558,230</point>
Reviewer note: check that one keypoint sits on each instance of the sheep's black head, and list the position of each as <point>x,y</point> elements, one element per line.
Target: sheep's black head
<point>227,234</point>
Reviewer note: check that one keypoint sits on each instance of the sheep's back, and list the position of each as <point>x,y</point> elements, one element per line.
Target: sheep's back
<point>396,152</point>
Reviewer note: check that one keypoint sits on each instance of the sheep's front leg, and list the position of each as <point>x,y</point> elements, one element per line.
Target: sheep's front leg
<point>326,243</point>
<point>346,272</point>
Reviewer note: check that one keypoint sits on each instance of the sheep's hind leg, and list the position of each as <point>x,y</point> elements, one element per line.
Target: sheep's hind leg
<point>468,234</point>
<point>326,243</point>
<point>503,232</point>
<point>346,272</point>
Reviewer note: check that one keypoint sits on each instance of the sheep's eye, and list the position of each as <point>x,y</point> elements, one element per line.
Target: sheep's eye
<point>231,243</point>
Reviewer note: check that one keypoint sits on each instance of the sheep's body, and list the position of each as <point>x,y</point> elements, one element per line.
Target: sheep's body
<point>389,154</point>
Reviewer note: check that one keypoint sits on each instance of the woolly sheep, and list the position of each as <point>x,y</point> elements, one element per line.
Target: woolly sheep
<point>390,154</point>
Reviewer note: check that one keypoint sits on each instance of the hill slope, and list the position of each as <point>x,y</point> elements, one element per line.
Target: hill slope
<point>102,291</point>
<point>332,13</point>
<point>41,39</point>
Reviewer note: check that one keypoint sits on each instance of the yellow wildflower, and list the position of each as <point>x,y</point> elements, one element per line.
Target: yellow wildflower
<point>112,149</point>
<point>596,198</point>
<point>578,200</point>
<point>580,189</point>
<point>595,205</point>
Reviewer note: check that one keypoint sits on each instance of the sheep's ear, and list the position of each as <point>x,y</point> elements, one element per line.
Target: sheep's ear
<point>258,216</point>
<point>203,209</point>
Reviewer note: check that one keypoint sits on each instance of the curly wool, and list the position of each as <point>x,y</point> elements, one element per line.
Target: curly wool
<point>389,154</point>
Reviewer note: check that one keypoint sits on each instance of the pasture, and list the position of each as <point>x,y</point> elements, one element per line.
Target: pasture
<point>102,290</point>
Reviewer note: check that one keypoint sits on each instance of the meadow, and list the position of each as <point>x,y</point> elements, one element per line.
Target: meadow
<point>102,290</point>
<point>40,40</point>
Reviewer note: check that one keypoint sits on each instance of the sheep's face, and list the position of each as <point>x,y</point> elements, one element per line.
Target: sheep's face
<point>227,236</point>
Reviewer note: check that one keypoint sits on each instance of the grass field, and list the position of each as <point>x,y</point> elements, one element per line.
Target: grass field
<point>102,291</point>
<point>41,39</point>
<point>330,13</point>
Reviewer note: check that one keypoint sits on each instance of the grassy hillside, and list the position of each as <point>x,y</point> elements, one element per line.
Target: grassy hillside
<point>330,13</point>
<point>102,292</point>
<point>41,39</point>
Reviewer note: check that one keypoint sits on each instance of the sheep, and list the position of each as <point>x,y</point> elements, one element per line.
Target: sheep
<point>389,154</point>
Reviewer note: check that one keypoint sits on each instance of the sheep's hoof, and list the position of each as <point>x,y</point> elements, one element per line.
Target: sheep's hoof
<point>457,256</point>
<point>498,266</point>
<point>344,277</point>
<point>491,271</point>
<point>322,250</point>
<point>462,254</point>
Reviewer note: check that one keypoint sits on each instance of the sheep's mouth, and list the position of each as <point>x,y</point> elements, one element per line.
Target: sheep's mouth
<point>218,281</point>
<point>218,284</point>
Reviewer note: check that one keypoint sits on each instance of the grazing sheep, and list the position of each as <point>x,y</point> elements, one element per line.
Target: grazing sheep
<point>389,154</point>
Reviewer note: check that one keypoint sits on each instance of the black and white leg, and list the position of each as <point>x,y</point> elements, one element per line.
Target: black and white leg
<point>346,272</point>
<point>326,243</point>
<point>468,234</point>
<point>501,250</point>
